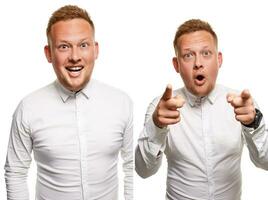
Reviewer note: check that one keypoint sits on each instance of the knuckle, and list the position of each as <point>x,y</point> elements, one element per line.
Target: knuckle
<point>178,114</point>
<point>252,109</point>
<point>161,121</point>
<point>251,117</point>
<point>159,113</point>
<point>235,110</point>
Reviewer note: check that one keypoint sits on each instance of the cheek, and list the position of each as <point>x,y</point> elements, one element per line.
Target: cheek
<point>90,56</point>
<point>186,72</point>
<point>213,68</point>
<point>59,60</point>
<point>214,72</point>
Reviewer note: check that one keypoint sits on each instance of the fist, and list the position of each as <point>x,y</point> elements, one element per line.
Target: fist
<point>243,107</point>
<point>167,111</point>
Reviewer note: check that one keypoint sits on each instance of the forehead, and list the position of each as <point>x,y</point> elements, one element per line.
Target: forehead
<point>71,29</point>
<point>196,39</point>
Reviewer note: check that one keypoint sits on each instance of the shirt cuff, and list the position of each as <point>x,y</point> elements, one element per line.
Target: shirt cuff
<point>248,131</point>
<point>156,137</point>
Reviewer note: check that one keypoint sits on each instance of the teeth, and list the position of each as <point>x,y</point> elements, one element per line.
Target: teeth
<point>74,69</point>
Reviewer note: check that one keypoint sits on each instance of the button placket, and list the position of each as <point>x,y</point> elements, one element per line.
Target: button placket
<point>208,147</point>
<point>82,145</point>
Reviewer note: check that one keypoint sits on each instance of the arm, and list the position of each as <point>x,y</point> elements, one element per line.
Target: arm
<point>253,130</point>
<point>18,158</point>
<point>127,155</point>
<point>152,142</point>
<point>257,143</point>
<point>151,145</point>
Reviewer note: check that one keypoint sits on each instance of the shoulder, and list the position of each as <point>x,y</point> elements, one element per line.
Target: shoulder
<point>38,97</point>
<point>223,90</point>
<point>104,90</point>
<point>32,101</point>
<point>40,93</point>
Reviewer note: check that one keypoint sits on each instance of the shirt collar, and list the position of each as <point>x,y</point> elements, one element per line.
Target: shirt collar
<point>65,94</point>
<point>196,101</point>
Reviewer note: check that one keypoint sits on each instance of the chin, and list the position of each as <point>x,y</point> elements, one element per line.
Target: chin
<point>77,85</point>
<point>77,88</point>
<point>204,90</point>
<point>73,87</point>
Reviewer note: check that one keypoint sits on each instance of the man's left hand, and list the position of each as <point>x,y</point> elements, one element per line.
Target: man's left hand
<point>243,105</point>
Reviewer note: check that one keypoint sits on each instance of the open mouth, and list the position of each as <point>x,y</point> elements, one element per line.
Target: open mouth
<point>74,68</point>
<point>200,77</point>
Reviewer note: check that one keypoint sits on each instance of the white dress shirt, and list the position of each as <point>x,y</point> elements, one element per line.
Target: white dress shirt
<point>75,139</point>
<point>203,150</point>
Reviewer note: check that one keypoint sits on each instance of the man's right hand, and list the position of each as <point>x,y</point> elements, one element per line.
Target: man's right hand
<point>167,111</point>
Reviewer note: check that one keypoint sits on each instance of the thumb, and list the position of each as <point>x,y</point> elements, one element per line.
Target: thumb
<point>180,101</point>
<point>230,97</point>
<point>168,93</point>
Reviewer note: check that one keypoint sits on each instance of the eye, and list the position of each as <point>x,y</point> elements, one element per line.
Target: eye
<point>188,56</point>
<point>63,47</point>
<point>206,53</point>
<point>84,45</point>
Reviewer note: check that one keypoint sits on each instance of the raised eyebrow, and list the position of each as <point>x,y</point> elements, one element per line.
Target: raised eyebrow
<point>206,48</point>
<point>64,41</point>
<point>85,40</point>
<point>187,49</point>
<point>80,41</point>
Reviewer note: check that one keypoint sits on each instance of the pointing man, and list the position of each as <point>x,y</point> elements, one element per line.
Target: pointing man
<point>202,127</point>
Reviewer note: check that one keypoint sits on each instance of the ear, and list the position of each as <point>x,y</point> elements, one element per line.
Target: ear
<point>48,53</point>
<point>219,59</point>
<point>96,50</point>
<point>176,64</point>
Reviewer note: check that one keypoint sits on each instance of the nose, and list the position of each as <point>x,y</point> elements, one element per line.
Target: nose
<point>197,63</point>
<point>74,55</point>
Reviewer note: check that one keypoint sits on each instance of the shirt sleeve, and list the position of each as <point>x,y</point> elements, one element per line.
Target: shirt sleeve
<point>127,155</point>
<point>18,158</point>
<point>151,145</point>
<point>257,143</point>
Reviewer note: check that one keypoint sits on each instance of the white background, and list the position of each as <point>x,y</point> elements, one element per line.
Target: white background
<point>135,38</point>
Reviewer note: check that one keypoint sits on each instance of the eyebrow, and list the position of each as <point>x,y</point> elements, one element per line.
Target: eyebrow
<point>205,47</point>
<point>187,49</point>
<point>85,39</point>
<point>82,40</point>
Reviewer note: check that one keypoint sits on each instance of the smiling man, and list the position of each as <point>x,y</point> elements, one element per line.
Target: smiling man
<point>202,127</point>
<point>75,126</point>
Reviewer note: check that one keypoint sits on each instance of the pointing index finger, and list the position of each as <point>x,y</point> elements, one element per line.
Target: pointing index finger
<point>168,93</point>
<point>245,94</point>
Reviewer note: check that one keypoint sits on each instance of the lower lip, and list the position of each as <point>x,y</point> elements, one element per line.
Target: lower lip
<point>74,74</point>
<point>199,82</point>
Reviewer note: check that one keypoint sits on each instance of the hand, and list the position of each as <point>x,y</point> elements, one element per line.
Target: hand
<point>167,111</point>
<point>243,107</point>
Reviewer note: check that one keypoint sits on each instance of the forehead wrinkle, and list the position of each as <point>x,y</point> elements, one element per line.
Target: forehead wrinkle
<point>196,39</point>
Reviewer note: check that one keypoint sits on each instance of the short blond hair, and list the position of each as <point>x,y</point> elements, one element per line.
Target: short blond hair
<point>191,26</point>
<point>68,12</point>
